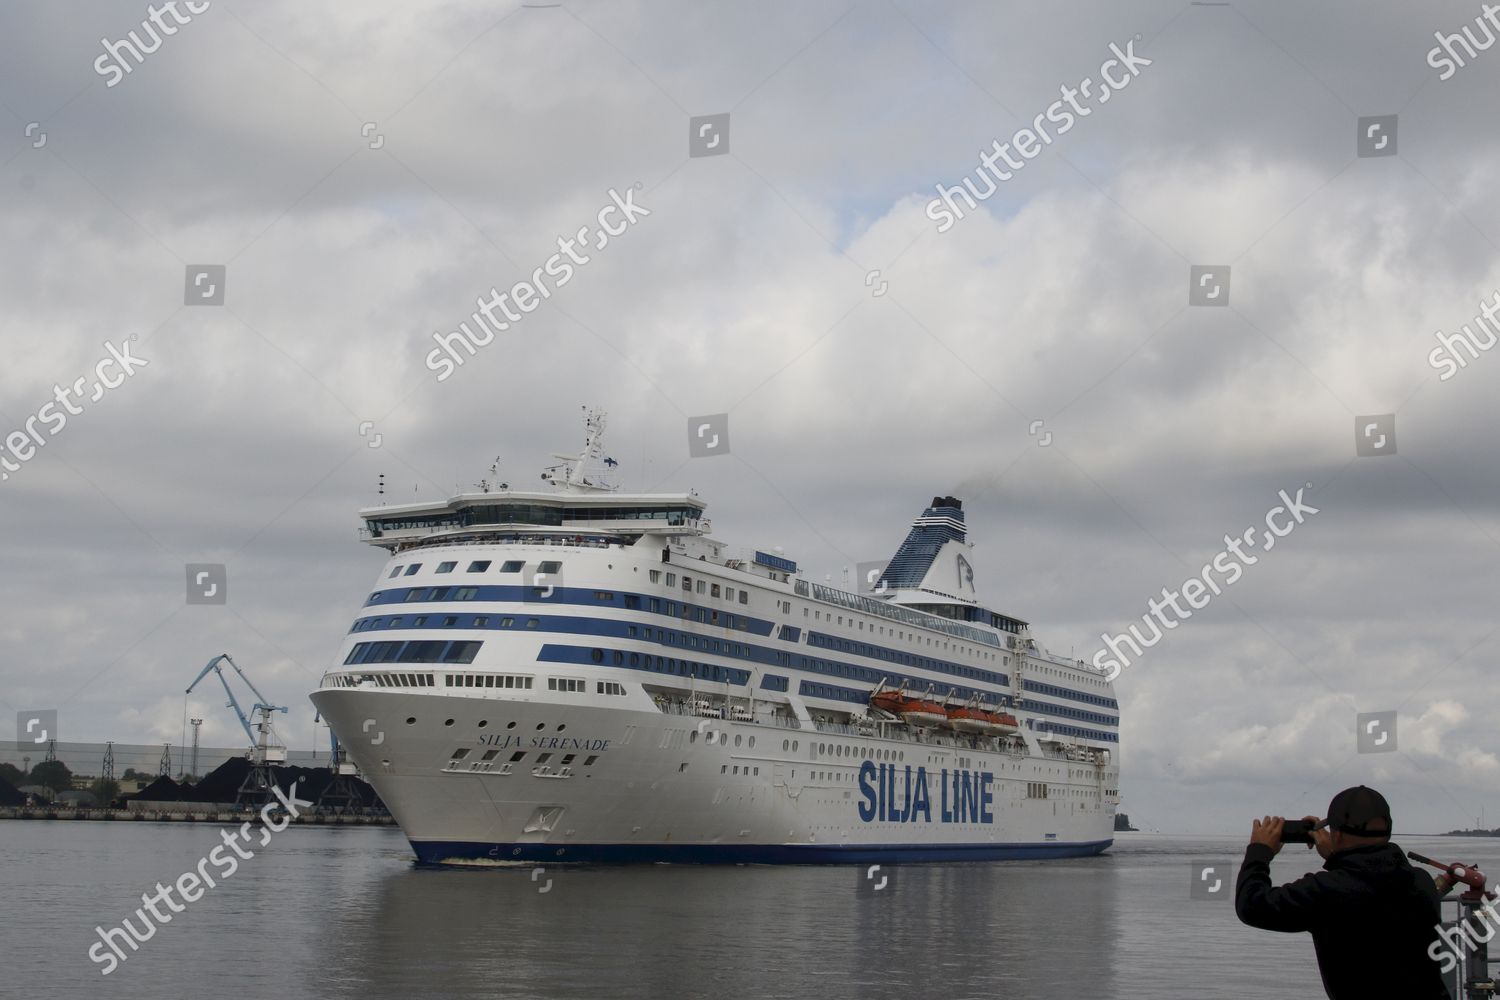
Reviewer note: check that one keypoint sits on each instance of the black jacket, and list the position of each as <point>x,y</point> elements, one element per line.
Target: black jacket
<point>1371,914</point>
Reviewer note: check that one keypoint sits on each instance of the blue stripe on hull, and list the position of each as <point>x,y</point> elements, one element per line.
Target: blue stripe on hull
<point>437,852</point>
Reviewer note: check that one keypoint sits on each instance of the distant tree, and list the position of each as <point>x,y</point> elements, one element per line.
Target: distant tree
<point>131,773</point>
<point>105,790</point>
<point>13,774</point>
<point>54,774</point>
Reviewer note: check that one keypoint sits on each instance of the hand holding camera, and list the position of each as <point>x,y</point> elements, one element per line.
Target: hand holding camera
<point>1274,831</point>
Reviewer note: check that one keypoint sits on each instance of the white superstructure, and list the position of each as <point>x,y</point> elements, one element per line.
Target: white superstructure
<point>582,674</point>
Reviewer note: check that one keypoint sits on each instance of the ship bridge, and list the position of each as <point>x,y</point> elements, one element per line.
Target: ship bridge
<point>632,514</point>
<point>582,502</point>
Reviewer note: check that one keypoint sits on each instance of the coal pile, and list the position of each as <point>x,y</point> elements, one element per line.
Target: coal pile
<point>163,789</point>
<point>222,785</point>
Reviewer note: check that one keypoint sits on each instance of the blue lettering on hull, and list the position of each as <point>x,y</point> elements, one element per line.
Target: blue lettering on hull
<point>963,796</point>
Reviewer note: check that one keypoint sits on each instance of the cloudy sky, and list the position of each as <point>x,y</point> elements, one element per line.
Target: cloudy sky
<point>363,172</point>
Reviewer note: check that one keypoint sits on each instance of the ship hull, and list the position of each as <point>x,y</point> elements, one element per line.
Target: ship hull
<point>475,779</point>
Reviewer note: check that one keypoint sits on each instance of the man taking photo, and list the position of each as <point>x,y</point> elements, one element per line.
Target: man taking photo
<point>1372,915</point>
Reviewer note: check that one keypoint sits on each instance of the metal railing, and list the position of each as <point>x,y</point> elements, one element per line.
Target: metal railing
<point>875,729</point>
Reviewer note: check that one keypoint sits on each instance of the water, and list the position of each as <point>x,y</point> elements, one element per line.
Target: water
<point>341,913</point>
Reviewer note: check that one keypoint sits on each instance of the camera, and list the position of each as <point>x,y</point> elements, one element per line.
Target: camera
<point>1297,831</point>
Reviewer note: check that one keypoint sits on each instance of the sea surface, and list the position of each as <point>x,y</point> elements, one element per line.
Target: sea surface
<point>340,912</point>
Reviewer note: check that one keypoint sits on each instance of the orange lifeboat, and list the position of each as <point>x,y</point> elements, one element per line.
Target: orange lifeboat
<point>920,712</point>
<point>971,718</point>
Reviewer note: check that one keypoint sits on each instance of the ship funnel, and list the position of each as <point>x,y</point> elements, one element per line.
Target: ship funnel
<point>935,555</point>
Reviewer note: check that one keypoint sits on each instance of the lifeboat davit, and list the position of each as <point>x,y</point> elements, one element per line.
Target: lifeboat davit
<point>915,711</point>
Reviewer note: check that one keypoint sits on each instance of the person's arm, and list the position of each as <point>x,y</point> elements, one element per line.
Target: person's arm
<point>1292,907</point>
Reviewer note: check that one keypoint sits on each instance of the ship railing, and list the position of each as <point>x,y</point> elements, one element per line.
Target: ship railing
<point>896,612</point>
<point>562,539</point>
<point>736,712</point>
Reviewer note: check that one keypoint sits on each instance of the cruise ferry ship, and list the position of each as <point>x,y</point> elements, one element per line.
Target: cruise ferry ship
<point>581,674</point>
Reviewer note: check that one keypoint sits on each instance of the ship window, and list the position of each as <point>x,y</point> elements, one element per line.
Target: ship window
<point>468,680</point>
<point>543,758</point>
<point>655,575</point>
<point>423,651</point>
<point>532,623</point>
<point>446,567</point>
<point>450,620</point>
<point>419,621</point>
<point>700,586</point>
<point>490,755</point>
<point>590,759</point>
<point>393,623</point>
<point>461,652</point>
<point>380,652</point>
<point>687,583</point>
<point>465,593</point>
<point>395,572</point>
<point>512,566</point>
<point>550,567</point>
<point>415,595</point>
<point>671,579</point>
<point>480,621</point>
<point>479,566</point>
<point>619,657</point>
<point>603,595</point>
<point>714,590</point>
<point>507,622</point>
<point>412,569</point>
<point>517,757</point>
<point>597,655</point>
<point>460,753</point>
<point>567,759</point>
<point>359,647</point>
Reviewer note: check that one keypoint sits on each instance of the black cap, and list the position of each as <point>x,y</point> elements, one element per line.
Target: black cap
<point>1354,810</point>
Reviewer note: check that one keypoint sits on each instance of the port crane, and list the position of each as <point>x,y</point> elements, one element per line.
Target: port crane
<point>340,796</point>
<point>265,749</point>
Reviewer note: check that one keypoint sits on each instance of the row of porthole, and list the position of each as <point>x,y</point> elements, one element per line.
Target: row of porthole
<point>840,750</point>
<point>721,738</point>
<point>411,720</point>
